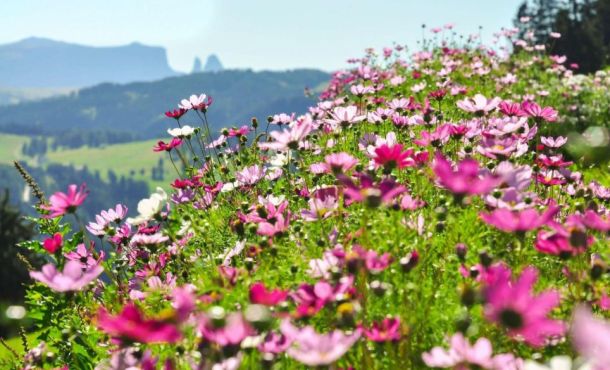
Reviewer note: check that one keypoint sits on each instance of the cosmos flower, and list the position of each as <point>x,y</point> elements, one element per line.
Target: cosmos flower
<point>467,179</point>
<point>512,304</point>
<point>181,132</point>
<point>162,146</point>
<point>478,104</point>
<point>590,338</point>
<point>62,203</point>
<point>150,207</point>
<point>391,157</point>
<point>519,221</point>
<point>313,349</point>
<point>130,325</point>
<point>53,243</point>
<point>72,278</point>
<point>287,139</point>
<point>260,295</point>
<point>201,102</point>
<point>531,109</point>
<point>384,331</point>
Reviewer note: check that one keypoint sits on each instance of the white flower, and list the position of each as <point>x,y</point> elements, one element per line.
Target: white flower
<point>556,363</point>
<point>183,131</point>
<point>148,208</point>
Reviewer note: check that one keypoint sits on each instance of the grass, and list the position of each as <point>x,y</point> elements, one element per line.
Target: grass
<point>16,344</point>
<point>10,147</point>
<point>127,159</point>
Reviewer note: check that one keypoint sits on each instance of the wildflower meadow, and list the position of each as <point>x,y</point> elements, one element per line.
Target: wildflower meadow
<point>434,208</point>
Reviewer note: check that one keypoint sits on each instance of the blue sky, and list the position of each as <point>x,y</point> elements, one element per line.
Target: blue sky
<point>260,34</point>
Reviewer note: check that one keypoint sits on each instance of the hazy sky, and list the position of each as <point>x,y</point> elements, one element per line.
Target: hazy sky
<point>261,34</point>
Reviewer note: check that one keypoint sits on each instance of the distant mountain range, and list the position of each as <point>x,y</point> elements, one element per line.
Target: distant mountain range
<point>138,108</point>
<point>42,63</point>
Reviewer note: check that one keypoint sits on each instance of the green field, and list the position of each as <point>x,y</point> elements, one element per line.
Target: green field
<point>128,159</point>
<point>10,147</point>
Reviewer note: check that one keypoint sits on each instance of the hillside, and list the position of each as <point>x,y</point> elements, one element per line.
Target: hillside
<point>138,107</point>
<point>39,62</point>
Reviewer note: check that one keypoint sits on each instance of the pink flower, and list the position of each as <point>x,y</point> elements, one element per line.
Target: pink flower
<point>319,208</point>
<point>510,109</point>
<point>130,325</point>
<point>564,241</point>
<point>512,305</point>
<point>115,215</point>
<point>556,142</point>
<point>250,175</point>
<point>260,295</point>
<point>242,131</point>
<point>462,354</point>
<point>519,221</point>
<point>533,110</point>
<point>289,138</point>
<point>384,331</point>
<point>53,243</point>
<point>84,256</point>
<point>590,338</point>
<point>233,332</point>
<point>313,349</point>
<point>201,102</point>
<point>369,192</point>
<point>73,277</point>
<point>345,116</point>
<point>478,104</point>
<point>176,113</point>
<point>274,343</point>
<point>339,162</point>
<point>466,179</point>
<point>62,203</point>
<point>392,157</point>
<point>162,146</point>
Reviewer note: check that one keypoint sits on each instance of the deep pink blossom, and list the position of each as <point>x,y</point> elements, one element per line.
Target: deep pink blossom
<point>62,203</point>
<point>393,156</point>
<point>260,295</point>
<point>512,304</point>
<point>519,221</point>
<point>533,110</point>
<point>162,146</point>
<point>130,325</point>
<point>384,331</point>
<point>467,179</point>
<point>53,243</point>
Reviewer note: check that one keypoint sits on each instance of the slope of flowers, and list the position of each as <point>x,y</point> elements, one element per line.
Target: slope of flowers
<point>419,216</point>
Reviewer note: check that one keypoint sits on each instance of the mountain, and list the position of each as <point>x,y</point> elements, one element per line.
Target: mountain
<point>212,64</point>
<point>138,108</point>
<point>38,62</point>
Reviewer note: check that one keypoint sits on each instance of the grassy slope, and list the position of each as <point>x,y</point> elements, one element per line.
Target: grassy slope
<point>120,158</point>
<point>10,147</point>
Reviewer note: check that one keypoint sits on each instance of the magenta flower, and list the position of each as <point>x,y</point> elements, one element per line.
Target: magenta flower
<point>590,338</point>
<point>479,104</point>
<point>533,110</point>
<point>232,333</point>
<point>319,208</point>
<point>467,179</point>
<point>73,277</point>
<point>510,109</point>
<point>53,243</point>
<point>274,343</point>
<point>369,192</point>
<point>384,331</point>
<point>513,305</point>
<point>162,146</point>
<point>564,241</point>
<point>391,157</point>
<point>260,295</point>
<point>130,325</point>
<point>242,131</point>
<point>519,221</point>
<point>313,349</point>
<point>62,203</point>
